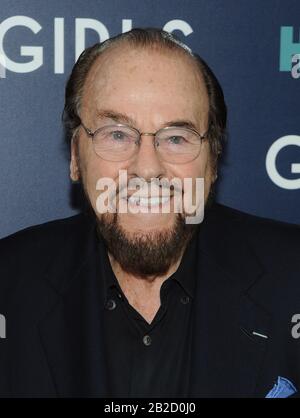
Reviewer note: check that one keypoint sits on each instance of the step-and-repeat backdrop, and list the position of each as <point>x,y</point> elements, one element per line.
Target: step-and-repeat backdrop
<point>253,47</point>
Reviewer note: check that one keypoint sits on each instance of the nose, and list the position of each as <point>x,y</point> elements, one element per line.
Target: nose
<point>146,162</point>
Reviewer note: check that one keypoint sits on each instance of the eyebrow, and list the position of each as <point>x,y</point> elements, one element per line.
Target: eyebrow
<point>115,116</point>
<point>122,118</point>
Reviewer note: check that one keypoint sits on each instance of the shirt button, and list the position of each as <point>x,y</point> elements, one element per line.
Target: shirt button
<point>184,300</point>
<point>120,296</point>
<point>147,340</point>
<point>110,304</point>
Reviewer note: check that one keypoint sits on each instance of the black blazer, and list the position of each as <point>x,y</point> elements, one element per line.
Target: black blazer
<point>248,280</point>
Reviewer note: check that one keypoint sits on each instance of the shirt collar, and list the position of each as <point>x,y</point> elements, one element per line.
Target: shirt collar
<point>107,274</point>
<point>185,274</point>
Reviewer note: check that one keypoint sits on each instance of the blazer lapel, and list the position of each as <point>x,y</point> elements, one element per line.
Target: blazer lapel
<point>226,355</point>
<point>71,333</point>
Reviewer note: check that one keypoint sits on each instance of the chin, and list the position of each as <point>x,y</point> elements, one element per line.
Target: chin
<point>146,222</point>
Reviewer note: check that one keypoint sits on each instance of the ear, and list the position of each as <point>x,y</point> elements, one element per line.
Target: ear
<point>74,166</point>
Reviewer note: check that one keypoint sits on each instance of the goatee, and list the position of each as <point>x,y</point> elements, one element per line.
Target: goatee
<point>149,254</point>
<point>146,255</point>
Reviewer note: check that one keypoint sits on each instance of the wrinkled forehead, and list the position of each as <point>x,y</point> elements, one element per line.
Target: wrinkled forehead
<point>125,72</point>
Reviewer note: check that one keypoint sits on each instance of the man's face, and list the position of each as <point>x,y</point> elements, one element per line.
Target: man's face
<point>150,89</point>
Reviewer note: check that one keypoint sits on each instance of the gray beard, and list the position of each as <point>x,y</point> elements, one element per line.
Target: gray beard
<point>147,255</point>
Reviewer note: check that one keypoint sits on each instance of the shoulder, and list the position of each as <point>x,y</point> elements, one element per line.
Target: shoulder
<point>256,227</point>
<point>274,242</point>
<point>38,238</point>
<point>27,253</point>
<point>255,223</point>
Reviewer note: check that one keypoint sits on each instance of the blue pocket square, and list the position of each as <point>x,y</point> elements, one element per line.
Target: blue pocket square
<point>283,388</point>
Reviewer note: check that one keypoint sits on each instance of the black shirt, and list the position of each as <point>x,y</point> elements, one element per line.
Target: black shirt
<point>150,360</point>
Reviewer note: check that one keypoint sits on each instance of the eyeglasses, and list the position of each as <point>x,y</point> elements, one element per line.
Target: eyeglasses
<point>118,142</point>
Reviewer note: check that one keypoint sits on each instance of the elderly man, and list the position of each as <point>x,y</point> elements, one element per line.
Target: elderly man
<point>139,302</point>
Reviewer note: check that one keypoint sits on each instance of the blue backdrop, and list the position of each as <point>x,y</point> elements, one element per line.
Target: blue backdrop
<point>253,47</point>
